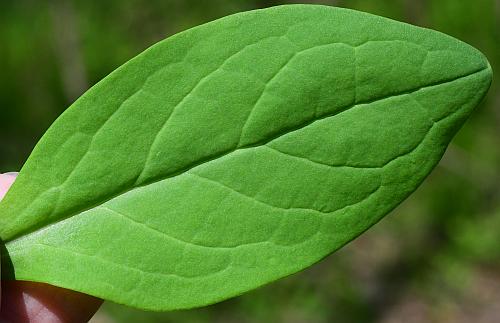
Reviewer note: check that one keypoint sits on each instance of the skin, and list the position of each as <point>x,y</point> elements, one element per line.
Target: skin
<point>32,302</point>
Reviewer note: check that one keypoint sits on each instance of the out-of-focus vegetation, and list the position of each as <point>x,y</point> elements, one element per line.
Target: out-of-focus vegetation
<point>435,259</point>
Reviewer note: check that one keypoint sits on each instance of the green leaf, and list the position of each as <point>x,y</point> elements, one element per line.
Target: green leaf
<point>236,153</point>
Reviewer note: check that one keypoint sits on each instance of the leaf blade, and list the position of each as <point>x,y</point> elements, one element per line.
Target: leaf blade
<point>266,124</point>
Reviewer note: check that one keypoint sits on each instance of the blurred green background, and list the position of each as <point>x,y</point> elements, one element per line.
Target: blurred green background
<point>436,258</point>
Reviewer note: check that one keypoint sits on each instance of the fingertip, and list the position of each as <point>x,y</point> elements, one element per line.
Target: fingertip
<point>39,302</point>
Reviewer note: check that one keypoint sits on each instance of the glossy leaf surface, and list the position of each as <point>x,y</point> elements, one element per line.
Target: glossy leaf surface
<point>236,153</point>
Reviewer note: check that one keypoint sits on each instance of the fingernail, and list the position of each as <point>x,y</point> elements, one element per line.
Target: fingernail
<point>14,174</point>
<point>6,181</point>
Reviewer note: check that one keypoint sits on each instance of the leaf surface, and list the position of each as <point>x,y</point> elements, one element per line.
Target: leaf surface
<point>236,153</point>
